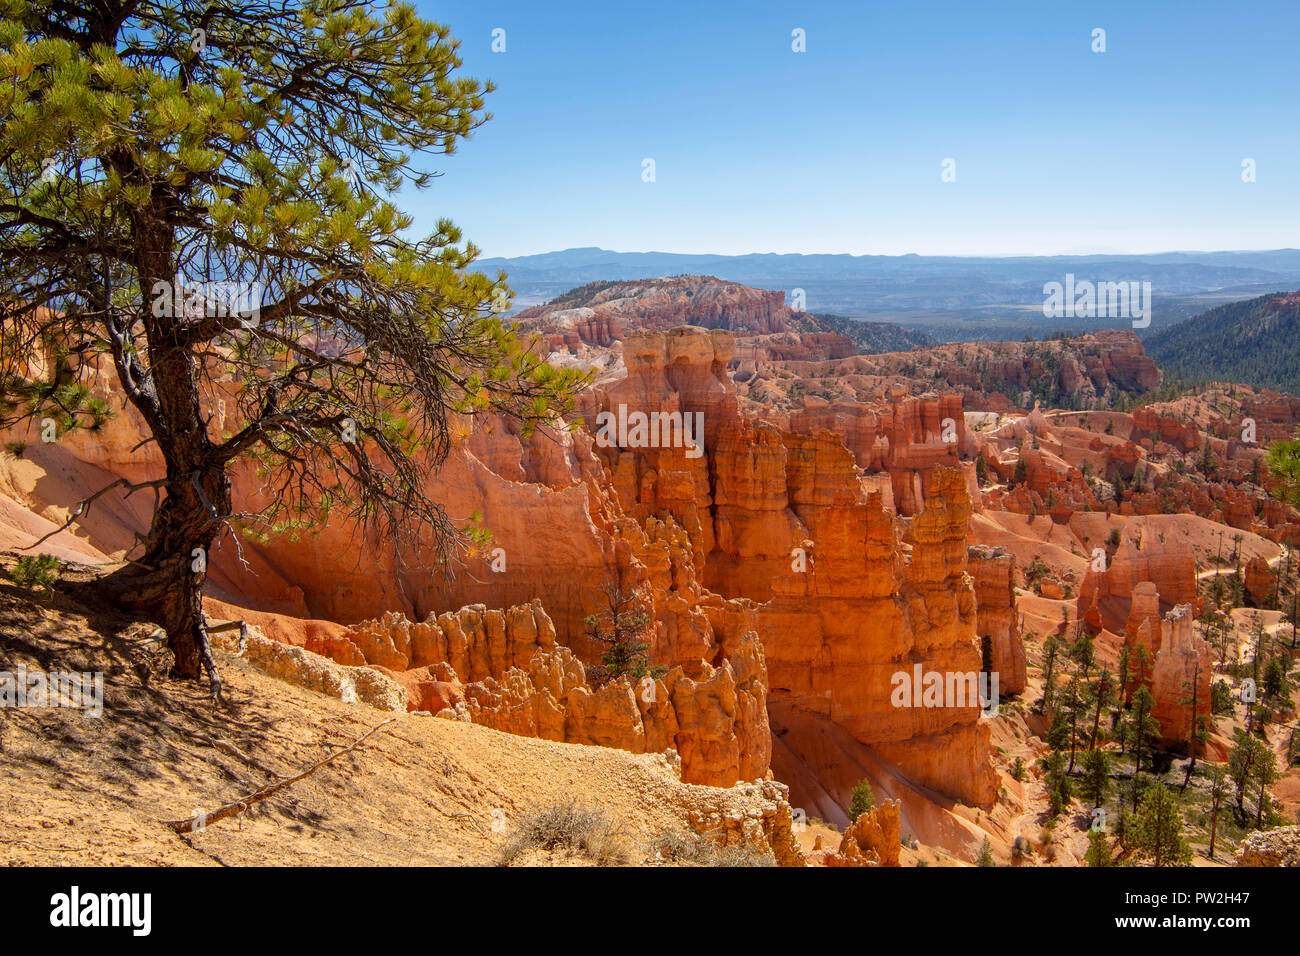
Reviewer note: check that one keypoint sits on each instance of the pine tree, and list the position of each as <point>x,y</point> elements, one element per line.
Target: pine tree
<point>1158,829</point>
<point>1059,790</point>
<point>1102,695</point>
<point>197,197</point>
<point>1199,728</point>
<point>1098,852</point>
<point>862,799</point>
<point>1284,466</point>
<point>1074,707</point>
<point>1095,783</point>
<point>986,854</point>
<point>1265,774</point>
<point>1218,792</point>
<point>1248,753</point>
<point>1142,729</point>
<point>619,625</point>
<point>1052,648</point>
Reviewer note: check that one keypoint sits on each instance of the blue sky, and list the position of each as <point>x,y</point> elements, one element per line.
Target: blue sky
<point>757,148</point>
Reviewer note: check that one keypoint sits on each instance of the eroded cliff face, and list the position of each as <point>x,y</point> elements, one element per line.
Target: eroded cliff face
<point>1107,597</point>
<point>870,840</point>
<point>702,534</point>
<point>993,571</point>
<point>505,670</point>
<point>602,312</point>
<point>786,518</point>
<point>1184,668</point>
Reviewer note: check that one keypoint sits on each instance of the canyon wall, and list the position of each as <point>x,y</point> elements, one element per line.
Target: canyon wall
<point>993,571</point>
<point>787,519</point>
<point>504,669</point>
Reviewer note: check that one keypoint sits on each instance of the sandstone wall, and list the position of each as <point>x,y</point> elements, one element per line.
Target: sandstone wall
<point>504,669</point>
<point>993,571</point>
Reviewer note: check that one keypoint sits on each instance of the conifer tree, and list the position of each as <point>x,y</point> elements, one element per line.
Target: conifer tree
<point>1095,783</point>
<point>1098,852</point>
<point>1158,829</point>
<point>195,202</point>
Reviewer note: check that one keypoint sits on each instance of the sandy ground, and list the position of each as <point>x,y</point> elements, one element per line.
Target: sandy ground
<point>423,790</point>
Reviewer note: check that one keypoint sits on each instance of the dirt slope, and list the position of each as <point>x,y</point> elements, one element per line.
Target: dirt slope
<point>423,790</point>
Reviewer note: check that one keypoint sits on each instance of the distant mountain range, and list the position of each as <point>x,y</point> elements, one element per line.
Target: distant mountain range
<point>951,298</point>
<point>1256,342</point>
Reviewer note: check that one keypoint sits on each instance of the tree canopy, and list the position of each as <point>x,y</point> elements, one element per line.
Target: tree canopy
<point>199,204</point>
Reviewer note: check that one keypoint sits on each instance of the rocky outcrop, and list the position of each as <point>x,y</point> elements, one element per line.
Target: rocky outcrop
<point>993,571</point>
<point>299,666</point>
<point>1280,847</point>
<point>1184,667</point>
<point>594,315</point>
<point>1148,423</point>
<point>476,642</point>
<point>784,517</point>
<point>905,437</point>
<point>865,611</point>
<point>503,669</point>
<point>1259,581</point>
<point>1144,628</point>
<point>870,840</point>
<point>766,823</point>
<point>1106,597</point>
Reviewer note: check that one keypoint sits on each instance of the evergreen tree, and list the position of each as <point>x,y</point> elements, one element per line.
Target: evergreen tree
<point>1199,728</point>
<point>862,799</point>
<point>1098,853</point>
<point>1095,784</point>
<point>198,194</point>
<point>1059,791</point>
<point>1075,708</point>
<point>1102,695</point>
<point>1265,774</point>
<point>1142,730</point>
<point>1052,649</point>
<point>619,625</point>
<point>1219,784</point>
<point>1284,466</point>
<point>1248,753</point>
<point>1158,829</point>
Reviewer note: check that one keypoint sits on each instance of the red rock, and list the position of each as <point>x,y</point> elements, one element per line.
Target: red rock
<point>870,840</point>
<point>993,572</point>
<point>1183,665</point>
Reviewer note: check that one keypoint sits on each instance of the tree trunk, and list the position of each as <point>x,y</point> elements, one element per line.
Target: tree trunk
<point>166,584</point>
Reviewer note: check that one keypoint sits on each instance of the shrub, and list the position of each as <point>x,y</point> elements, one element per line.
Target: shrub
<point>35,570</point>
<point>862,800</point>
<point>685,848</point>
<point>566,825</point>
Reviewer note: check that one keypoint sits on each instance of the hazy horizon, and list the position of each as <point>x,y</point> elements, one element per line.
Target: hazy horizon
<point>1066,254</point>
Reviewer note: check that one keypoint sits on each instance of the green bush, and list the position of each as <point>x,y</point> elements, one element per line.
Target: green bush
<point>862,800</point>
<point>33,571</point>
